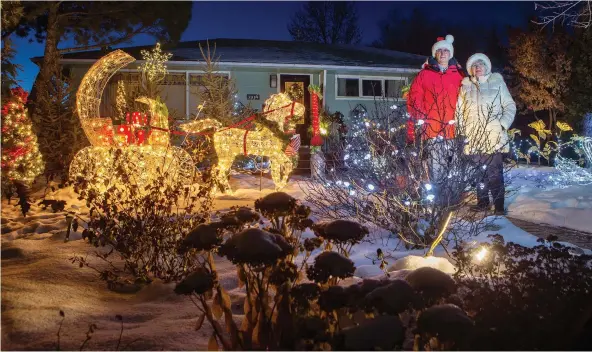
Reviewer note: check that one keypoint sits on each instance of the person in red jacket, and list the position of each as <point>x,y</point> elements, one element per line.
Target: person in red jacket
<point>432,98</point>
<point>431,106</point>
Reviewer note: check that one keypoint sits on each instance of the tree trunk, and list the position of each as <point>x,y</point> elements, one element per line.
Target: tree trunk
<point>552,117</point>
<point>41,105</point>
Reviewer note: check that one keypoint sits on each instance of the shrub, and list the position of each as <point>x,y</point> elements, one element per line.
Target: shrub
<point>525,298</point>
<point>157,230</point>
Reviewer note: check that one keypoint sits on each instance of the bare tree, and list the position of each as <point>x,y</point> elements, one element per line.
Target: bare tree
<point>571,13</point>
<point>328,22</point>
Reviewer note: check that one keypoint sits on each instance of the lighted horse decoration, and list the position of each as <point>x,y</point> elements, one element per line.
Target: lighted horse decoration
<point>148,158</point>
<point>271,138</point>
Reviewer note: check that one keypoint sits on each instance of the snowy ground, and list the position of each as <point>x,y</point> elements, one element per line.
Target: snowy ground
<point>38,280</point>
<point>537,199</point>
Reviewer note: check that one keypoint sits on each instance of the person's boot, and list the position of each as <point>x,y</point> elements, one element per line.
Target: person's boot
<point>499,207</point>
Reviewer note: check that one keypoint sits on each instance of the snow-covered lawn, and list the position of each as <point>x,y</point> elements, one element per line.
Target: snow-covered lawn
<point>38,279</point>
<point>537,199</point>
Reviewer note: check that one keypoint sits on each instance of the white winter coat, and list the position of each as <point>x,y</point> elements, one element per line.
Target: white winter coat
<point>484,113</point>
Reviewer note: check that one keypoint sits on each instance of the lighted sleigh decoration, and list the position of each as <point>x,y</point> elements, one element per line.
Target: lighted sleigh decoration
<point>147,154</point>
<point>274,137</point>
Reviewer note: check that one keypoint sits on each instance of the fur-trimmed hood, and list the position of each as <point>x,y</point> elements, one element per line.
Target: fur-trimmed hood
<point>476,57</point>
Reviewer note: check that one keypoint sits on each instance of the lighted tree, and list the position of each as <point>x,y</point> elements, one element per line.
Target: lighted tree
<point>21,160</point>
<point>120,100</point>
<point>541,69</point>
<point>387,181</point>
<point>328,22</point>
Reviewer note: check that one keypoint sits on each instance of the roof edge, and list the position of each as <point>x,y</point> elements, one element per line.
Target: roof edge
<point>271,64</point>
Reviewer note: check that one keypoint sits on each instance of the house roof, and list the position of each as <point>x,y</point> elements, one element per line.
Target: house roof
<point>276,52</point>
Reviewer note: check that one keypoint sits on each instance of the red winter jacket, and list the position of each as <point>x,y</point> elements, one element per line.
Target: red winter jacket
<point>432,98</point>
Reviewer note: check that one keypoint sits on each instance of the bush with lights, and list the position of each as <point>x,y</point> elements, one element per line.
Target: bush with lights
<point>386,180</point>
<point>144,224</point>
<point>21,159</point>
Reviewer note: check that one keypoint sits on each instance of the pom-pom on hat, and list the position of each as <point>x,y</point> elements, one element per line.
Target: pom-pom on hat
<point>476,57</point>
<point>444,42</point>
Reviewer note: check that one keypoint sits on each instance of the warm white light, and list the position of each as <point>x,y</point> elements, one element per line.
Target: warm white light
<point>481,254</point>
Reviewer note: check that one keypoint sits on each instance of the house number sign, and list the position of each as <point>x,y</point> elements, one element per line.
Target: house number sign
<point>252,96</point>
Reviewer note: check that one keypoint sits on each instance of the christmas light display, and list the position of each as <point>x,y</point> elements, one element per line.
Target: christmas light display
<point>154,67</point>
<point>316,140</point>
<point>570,171</point>
<point>269,139</point>
<point>120,101</point>
<point>21,159</point>
<point>147,152</point>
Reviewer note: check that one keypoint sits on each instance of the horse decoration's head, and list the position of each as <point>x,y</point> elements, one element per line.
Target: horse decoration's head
<point>280,109</point>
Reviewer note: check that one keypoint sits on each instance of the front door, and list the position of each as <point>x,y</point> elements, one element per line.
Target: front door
<point>297,85</point>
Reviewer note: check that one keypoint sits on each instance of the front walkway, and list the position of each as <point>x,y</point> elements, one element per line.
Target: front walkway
<point>579,238</point>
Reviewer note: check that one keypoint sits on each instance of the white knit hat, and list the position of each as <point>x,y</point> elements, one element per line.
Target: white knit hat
<point>476,57</point>
<point>444,43</point>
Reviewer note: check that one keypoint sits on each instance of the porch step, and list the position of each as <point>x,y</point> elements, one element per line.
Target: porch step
<point>303,167</point>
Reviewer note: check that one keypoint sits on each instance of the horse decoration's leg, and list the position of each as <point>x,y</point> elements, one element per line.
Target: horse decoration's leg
<point>281,167</point>
<point>220,174</point>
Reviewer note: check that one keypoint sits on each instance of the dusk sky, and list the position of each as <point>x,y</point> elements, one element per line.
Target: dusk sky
<point>268,20</point>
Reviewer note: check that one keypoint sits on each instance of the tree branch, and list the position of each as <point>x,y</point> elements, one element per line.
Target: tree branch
<point>100,45</point>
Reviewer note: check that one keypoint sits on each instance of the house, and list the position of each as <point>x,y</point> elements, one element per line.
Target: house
<point>348,75</point>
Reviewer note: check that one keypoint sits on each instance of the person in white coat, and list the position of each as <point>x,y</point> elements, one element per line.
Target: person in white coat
<point>485,111</point>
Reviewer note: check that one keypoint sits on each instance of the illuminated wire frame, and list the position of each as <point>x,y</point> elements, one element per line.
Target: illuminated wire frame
<point>97,161</point>
<point>231,142</point>
<point>88,97</point>
<point>571,172</point>
<point>144,163</point>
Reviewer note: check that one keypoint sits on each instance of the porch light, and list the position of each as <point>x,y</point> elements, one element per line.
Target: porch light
<point>273,81</point>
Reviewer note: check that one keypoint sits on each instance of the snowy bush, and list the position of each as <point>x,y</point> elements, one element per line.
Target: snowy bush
<point>417,189</point>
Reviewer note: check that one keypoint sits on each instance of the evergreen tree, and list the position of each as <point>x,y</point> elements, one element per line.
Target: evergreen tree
<point>579,98</point>
<point>12,13</point>
<point>21,160</point>
<point>217,92</point>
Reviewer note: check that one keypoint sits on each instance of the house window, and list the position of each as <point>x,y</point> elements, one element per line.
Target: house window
<point>196,79</point>
<point>393,87</point>
<point>371,88</point>
<point>348,87</point>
